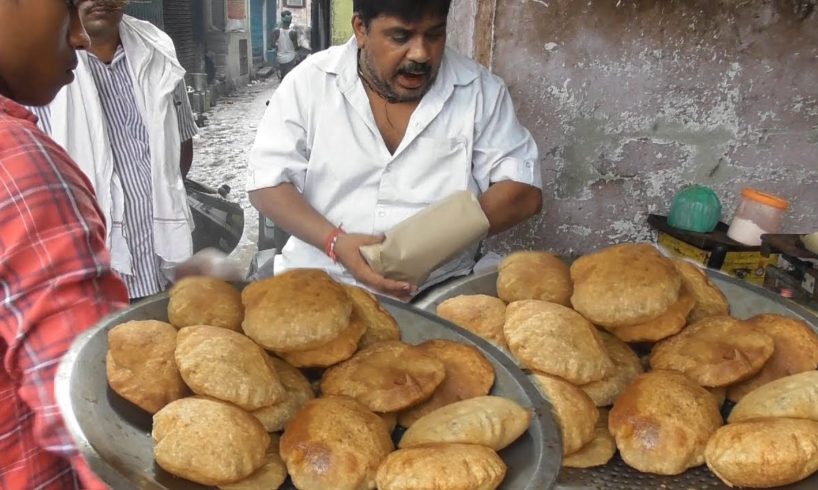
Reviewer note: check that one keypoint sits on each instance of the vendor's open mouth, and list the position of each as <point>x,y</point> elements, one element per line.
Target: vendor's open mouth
<point>411,80</point>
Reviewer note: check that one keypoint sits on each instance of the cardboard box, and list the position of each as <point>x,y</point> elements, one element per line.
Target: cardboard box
<point>750,266</point>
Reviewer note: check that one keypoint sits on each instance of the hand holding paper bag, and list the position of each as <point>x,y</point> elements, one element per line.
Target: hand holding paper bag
<point>419,245</point>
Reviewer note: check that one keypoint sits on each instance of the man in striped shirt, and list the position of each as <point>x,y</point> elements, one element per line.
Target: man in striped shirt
<point>128,122</point>
<point>55,273</point>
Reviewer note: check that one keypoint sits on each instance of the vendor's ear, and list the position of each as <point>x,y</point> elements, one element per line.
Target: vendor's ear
<point>360,30</point>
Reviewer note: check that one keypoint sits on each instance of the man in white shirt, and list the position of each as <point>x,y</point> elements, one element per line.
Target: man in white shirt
<point>127,121</point>
<point>362,136</point>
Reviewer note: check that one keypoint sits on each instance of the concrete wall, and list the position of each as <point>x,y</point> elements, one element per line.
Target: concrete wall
<point>224,48</point>
<point>341,21</point>
<point>462,17</point>
<point>631,100</point>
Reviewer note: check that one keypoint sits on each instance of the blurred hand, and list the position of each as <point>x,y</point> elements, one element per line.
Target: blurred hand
<point>347,250</point>
<point>209,262</point>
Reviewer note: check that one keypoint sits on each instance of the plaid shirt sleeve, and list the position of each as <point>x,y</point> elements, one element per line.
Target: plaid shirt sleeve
<point>55,282</point>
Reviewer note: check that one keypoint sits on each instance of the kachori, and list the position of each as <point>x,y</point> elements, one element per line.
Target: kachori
<point>490,421</point>
<point>574,410</point>
<point>208,441</point>
<point>624,284</point>
<point>796,351</point>
<point>380,324</point>
<point>339,349</point>
<point>228,366</point>
<point>334,442</point>
<point>140,365</point>
<point>708,298</point>
<point>297,310</point>
<point>534,275</point>
<point>270,476</point>
<point>468,374</point>
<point>626,367</point>
<point>386,376</point>
<point>200,300</point>
<point>715,351</point>
<point>671,322</point>
<point>793,396</point>
<point>764,453</point>
<point>662,421</point>
<point>556,340</point>
<point>597,452</point>
<point>478,313</point>
<point>442,467</point>
<point>298,391</point>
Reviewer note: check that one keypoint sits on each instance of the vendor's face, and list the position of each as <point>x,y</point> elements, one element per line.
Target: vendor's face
<point>38,39</point>
<point>401,59</point>
<point>102,17</point>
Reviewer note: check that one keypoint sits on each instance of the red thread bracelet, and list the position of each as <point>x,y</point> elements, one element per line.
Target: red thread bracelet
<point>329,245</point>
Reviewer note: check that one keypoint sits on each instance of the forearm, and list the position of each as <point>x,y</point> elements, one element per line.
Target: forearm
<point>288,209</point>
<point>508,203</point>
<point>186,157</point>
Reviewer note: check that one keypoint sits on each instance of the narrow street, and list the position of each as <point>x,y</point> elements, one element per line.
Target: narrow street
<point>221,149</point>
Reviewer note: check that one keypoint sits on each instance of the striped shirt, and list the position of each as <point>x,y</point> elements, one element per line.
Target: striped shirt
<point>130,144</point>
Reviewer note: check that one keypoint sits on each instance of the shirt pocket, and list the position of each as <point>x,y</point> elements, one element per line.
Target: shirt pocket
<point>432,169</point>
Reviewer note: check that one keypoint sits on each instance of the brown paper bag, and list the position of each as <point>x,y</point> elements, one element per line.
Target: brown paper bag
<point>417,246</point>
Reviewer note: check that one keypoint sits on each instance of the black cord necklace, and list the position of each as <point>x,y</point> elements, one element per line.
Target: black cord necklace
<point>391,98</point>
<point>387,98</point>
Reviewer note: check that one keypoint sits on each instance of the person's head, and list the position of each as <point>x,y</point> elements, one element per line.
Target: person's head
<point>286,18</point>
<point>37,43</point>
<point>102,17</point>
<point>402,44</point>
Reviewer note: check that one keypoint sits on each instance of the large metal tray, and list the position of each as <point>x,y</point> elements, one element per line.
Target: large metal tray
<point>745,301</point>
<point>114,436</point>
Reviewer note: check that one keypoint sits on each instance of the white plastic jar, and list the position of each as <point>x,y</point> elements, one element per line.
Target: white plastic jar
<point>757,213</point>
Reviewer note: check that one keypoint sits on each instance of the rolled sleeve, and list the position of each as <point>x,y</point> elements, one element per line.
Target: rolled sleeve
<point>184,113</point>
<point>503,148</point>
<point>279,153</point>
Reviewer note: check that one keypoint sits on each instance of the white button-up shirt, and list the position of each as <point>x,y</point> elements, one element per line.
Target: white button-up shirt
<point>320,135</point>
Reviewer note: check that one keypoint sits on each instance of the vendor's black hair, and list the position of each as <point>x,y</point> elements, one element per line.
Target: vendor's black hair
<point>407,10</point>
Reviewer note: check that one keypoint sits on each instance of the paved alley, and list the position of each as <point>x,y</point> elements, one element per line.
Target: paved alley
<point>221,149</point>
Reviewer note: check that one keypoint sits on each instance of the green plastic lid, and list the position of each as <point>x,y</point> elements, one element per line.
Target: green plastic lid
<point>695,208</point>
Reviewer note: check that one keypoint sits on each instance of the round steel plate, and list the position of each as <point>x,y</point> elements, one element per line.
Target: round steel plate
<point>114,436</point>
<point>745,301</point>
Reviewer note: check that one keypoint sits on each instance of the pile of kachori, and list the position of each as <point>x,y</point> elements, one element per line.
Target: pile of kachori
<point>666,401</point>
<point>300,377</point>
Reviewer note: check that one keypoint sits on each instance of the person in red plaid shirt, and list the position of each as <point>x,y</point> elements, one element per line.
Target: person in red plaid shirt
<point>55,273</point>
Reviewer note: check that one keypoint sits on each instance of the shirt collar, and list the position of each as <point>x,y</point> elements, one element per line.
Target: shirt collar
<point>15,110</point>
<point>119,55</point>
<point>344,64</point>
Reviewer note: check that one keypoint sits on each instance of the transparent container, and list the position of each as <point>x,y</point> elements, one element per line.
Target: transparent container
<point>757,213</point>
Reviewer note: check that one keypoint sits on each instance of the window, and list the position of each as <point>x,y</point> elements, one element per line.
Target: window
<point>294,3</point>
<point>218,19</point>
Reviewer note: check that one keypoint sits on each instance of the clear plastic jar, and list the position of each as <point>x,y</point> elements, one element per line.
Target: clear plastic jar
<point>758,213</point>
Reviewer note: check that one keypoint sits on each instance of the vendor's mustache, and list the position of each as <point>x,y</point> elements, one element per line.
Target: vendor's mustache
<point>111,4</point>
<point>413,68</point>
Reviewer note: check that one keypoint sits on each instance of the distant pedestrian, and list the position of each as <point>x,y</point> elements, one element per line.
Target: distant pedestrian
<point>286,41</point>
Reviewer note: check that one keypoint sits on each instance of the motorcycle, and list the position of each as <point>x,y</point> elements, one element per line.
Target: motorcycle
<point>219,223</point>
